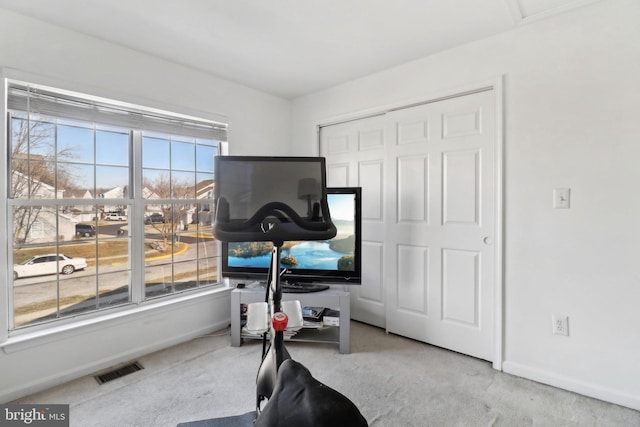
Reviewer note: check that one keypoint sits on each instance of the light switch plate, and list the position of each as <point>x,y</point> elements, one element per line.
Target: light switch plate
<point>561,198</point>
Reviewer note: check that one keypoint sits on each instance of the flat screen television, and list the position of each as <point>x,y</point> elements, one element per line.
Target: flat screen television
<point>337,260</point>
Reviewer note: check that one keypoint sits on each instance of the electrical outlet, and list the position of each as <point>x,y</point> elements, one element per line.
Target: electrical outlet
<point>560,324</point>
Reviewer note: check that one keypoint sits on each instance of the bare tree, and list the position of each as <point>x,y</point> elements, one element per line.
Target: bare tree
<point>173,213</point>
<point>33,170</point>
<point>32,151</point>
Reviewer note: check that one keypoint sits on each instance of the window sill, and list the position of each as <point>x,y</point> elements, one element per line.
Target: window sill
<point>33,339</point>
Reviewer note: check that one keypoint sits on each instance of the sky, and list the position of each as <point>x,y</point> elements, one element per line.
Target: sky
<point>76,144</point>
<point>341,206</point>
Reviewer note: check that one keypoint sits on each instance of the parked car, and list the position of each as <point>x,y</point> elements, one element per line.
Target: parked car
<point>86,230</point>
<point>115,217</point>
<point>48,264</point>
<point>154,218</point>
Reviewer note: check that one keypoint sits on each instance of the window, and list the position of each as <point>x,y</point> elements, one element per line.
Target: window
<point>112,200</point>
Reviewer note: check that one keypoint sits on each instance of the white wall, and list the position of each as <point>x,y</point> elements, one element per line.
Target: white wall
<point>572,101</point>
<point>259,124</point>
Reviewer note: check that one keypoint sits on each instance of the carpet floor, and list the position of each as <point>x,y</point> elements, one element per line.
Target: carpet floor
<point>394,381</point>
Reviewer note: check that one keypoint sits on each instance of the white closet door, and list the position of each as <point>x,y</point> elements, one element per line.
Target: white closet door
<point>440,232</point>
<point>428,175</point>
<point>355,158</point>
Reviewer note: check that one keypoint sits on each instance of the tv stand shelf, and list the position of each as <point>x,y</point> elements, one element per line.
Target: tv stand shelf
<point>331,298</point>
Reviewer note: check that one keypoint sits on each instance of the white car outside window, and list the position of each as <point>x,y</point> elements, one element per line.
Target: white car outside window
<point>48,264</point>
<point>115,217</point>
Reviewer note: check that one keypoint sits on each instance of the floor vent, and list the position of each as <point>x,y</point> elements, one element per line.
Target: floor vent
<point>118,373</point>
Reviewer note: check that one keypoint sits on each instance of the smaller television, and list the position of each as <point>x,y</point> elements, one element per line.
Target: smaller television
<point>337,260</point>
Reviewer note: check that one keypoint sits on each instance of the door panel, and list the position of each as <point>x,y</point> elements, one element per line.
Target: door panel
<point>413,264</point>
<point>355,157</point>
<point>372,291</point>
<point>460,286</point>
<point>338,175</point>
<point>413,173</point>
<point>461,180</point>
<point>371,173</point>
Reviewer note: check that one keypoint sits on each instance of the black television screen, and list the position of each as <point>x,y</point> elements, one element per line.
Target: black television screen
<point>337,260</point>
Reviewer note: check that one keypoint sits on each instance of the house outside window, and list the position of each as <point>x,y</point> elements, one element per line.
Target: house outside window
<point>125,188</point>
<point>37,230</point>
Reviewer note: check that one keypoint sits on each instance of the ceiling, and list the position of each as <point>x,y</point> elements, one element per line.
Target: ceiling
<point>290,48</point>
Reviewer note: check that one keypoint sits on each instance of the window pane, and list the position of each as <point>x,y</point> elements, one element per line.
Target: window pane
<point>75,180</point>
<point>158,280</point>
<point>183,185</point>
<point>185,275</point>
<point>207,247</point>
<point>34,301</point>
<point>204,158</point>
<point>207,271</point>
<point>113,255</point>
<point>111,181</point>
<point>204,186</point>
<point>33,179</point>
<point>204,214</point>
<point>169,239</point>
<point>112,148</point>
<point>182,156</point>
<point>77,294</point>
<point>155,184</point>
<point>113,289</point>
<point>158,228</point>
<point>75,144</point>
<point>155,153</point>
<point>32,138</point>
<point>38,225</point>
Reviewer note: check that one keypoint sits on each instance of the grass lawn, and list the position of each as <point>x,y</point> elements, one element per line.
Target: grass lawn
<point>107,249</point>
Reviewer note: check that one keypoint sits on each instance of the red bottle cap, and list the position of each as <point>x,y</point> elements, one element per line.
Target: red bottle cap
<point>279,321</point>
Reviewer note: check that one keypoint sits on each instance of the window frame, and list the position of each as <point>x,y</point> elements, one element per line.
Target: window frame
<point>137,299</point>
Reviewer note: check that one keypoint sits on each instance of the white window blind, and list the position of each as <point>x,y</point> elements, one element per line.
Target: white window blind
<point>41,100</point>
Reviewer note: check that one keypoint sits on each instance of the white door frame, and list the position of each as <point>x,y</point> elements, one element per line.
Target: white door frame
<point>495,84</point>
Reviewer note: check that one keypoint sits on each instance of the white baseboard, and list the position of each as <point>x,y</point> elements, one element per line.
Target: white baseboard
<point>571,384</point>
